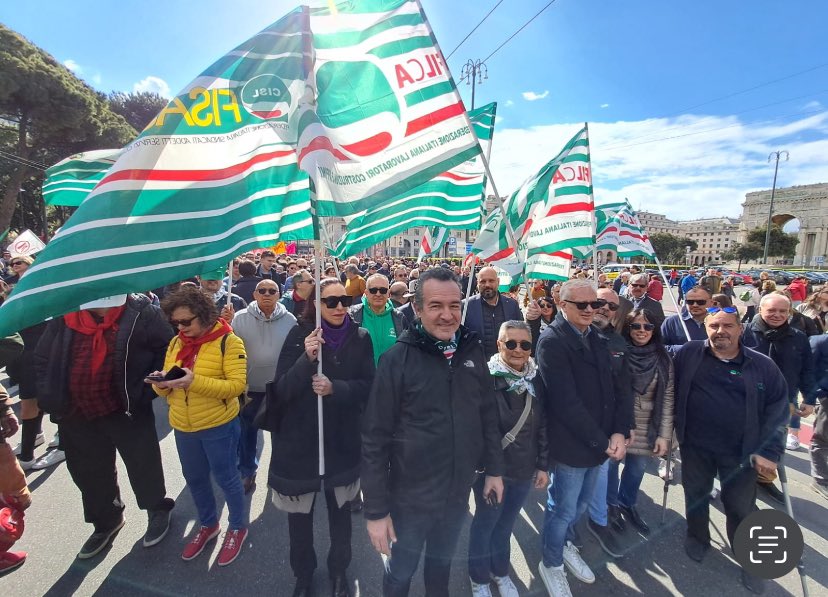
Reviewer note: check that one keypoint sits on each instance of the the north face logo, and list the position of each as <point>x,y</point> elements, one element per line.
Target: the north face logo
<point>469,364</point>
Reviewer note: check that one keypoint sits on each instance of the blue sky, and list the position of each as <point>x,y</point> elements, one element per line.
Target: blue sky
<point>637,71</point>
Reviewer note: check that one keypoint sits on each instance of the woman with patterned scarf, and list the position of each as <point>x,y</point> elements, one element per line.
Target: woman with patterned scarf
<point>523,429</point>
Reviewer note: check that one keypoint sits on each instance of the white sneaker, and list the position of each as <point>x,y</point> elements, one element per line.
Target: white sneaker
<point>576,565</point>
<point>480,590</point>
<point>27,465</point>
<point>662,469</point>
<point>51,458</point>
<point>39,440</point>
<point>505,586</point>
<point>55,441</point>
<point>554,579</point>
<point>792,443</point>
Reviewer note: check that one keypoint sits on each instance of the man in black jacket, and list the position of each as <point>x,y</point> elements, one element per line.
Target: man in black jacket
<point>430,423</point>
<point>91,367</point>
<point>486,312</point>
<point>588,415</point>
<point>772,335</point>
<point>640,300</point>
<point>731,411</point>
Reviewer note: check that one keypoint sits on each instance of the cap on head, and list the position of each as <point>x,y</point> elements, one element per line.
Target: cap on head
<point>216,274</point>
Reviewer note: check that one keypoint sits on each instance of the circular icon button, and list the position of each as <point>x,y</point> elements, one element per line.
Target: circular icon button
<point>768,544</point>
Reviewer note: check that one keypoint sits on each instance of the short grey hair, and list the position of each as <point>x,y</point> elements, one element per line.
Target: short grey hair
<point>571,285</point>
<point>352,269</point>
<point>376,277</point>
<point>638,278</point>
<point>775,294</point>
<point>513,324</point>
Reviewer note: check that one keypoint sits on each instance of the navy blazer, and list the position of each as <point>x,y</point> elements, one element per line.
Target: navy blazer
<point>474,312</point>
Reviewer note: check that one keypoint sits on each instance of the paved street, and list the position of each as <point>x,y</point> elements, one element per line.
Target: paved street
<point>654,566</point>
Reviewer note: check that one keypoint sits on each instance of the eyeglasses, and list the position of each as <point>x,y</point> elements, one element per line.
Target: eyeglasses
<point>17,263</point>
<point>582,305</point>
<point>332,301</point>
<point>699,302</point>
<point>714,310</point>
<point>267,291</point>
<point>642,326</point>
<point>612,306</point>
<point>381,290</point>
<point>525,345</point>
<point>185,322</point>
<point>638,285</point>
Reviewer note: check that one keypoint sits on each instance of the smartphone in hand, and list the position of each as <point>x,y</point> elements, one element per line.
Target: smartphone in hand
<point>175,372</point>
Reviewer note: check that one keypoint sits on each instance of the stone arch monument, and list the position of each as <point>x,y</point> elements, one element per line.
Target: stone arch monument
<point>807,203</point>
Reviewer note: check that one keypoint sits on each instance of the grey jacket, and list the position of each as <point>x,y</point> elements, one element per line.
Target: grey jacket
<point>263,339</point>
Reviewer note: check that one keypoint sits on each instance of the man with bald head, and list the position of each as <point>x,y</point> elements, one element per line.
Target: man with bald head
<point>486,312</point>
<point>731,407</point>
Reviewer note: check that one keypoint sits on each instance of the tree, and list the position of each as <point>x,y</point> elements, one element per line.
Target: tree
<point>782,244</point>
<point>671,248</point>
<point>138,109</point>
<point>51,115</point>
<point>743,252</point>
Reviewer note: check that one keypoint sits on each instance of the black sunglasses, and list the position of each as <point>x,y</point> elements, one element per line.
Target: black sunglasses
<point>185,322</point>
<point>582,305</point>
<point>381,290</point>
<point>267,291</point>
<point>646,326</point>
<point>699,302</point>
<point>525,345</point>
<point>332,301</point>
<point>638,285</point>
<point>545,304</point>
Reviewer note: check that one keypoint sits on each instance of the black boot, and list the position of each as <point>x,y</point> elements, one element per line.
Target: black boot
<point>303,588</point>
<point>634,517</point>
<point>340,587</point>
<point>616,521</point>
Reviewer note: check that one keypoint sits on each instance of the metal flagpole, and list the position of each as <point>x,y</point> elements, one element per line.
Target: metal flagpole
<point>783,478</point>
<point>468,291</point>
<point>667,480</point>
<point>670,292</point>
<point>317,245</point>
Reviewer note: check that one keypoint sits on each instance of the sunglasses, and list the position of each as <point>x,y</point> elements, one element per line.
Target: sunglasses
<point>612,306</point>
<point>582,305</point>
<point>332,301</point>
<point>699,302</point>
<point>381,290</point>
<point>642,326</point>
<point>17,263</point>
<point>185,322</point>
<point>545,304</point>
<point>714,310</point>
<point>638,285</point>
<point>525,345</point>
<point>267,291</point>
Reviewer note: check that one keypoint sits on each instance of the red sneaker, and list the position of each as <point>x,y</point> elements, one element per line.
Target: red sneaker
<point>232,546</point>
<point>9,560</point>
<point>200,541</point>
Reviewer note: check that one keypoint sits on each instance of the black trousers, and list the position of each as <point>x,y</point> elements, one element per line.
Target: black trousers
<point>90,448</point>
<point>439,532</point>
<point>699,468</point>
<point>302,554</point>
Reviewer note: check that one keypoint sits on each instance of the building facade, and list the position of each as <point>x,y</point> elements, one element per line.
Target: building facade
<point>714,236</point>
<point>658,224</point>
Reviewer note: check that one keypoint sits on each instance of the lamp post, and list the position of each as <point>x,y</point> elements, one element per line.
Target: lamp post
<point>474,72</point>
<point>774,155</point>
<point>687,255</point>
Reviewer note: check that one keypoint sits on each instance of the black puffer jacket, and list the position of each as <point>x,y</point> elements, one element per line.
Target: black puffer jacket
<point>528,452</point>
<point>140,346</point>
<point>294,466</point>
<point>429,425</point>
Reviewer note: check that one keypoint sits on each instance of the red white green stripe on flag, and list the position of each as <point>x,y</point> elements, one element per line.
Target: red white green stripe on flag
<point>432,241</point>
<point>624,234</point>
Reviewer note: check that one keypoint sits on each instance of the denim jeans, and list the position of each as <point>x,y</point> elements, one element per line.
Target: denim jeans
<point>568,497</point>
<point>248,442</point>
<point>491,530</point>
<point>600,496</point>
<point>213,452</point>
<point>634,468</point>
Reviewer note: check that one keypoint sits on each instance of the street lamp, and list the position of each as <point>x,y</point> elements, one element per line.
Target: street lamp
<point>474,72</point>
<point>774,155</point>
<point>687,255</point>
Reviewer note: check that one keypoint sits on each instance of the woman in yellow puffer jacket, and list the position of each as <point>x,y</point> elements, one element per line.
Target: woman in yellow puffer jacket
<point>204,408</point>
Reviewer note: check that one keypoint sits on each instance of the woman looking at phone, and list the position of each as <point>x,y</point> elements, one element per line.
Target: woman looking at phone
<point>348,371</point>
<point>204,408</point>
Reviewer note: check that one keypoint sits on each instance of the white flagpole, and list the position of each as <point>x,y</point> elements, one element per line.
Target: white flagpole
<point>468,290</point>
<point>229,281</point>
<point>670,292</point>
<point>594,224</point>
<point>317,245</point>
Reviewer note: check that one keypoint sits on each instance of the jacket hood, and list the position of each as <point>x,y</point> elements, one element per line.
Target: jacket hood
<point>279,311</point>
<point>138,301</point>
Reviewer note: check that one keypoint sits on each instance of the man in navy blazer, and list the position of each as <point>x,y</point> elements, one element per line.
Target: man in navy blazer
<point>485,312</point>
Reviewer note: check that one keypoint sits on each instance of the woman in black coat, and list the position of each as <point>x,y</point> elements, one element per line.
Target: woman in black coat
<point>294,475</point>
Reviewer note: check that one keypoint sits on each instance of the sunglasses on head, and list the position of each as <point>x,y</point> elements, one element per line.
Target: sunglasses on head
<point>185,322</point>
<point>332,301</point>
<point>582,305</point>
<point>525,345</point>
<point>267,291</point>
<point>380,289</point>
<point>699,302</point>
<point>714,310</point>
<point>642,326</point>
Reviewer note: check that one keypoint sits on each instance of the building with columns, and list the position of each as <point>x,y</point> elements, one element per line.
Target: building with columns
<point>713,235</point>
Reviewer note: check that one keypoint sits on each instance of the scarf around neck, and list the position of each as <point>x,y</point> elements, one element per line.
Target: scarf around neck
<point>448,348</point>
<point>645,362</point>
<point>519,381</point>
<point>335,336</point>
<point>190,346</point>
<point>84,323</point>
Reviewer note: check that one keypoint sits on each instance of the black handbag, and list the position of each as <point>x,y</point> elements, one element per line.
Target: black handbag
<point>269,414</point>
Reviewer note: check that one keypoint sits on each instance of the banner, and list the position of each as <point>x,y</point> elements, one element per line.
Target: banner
<point>432,241</point>
<point>69,181</point>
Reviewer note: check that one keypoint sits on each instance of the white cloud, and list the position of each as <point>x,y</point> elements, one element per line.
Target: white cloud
<point>96,79</point>
<point>508,103</point>
<point>685,167</point>
<point>73,66</point>
<point>531,96</point>
<point>605,105</point>
<point>812,105</point>
<point>151,83</point>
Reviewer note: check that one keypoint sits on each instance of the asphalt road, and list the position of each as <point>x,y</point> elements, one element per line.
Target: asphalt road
<point>655,565</point>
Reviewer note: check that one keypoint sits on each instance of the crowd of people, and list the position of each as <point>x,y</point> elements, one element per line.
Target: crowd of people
<point>434,387</point>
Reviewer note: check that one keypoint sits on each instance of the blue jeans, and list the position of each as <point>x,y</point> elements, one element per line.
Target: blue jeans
<point>634,468</point>
<point>213,452</point>
<point>491,530</point>
<point>605,493</point>
<point>248,442</point>
<point>568,496</point>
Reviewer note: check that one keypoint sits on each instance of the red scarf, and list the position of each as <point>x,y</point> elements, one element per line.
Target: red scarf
<point>84,323</point>
<point>190,346</point>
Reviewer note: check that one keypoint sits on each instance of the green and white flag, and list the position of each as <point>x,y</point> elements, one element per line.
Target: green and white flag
<point>452,200</point>
<point>432,241</point>
<point>382,115</point>
<point>625,235</point>
<point>69,181</point>
<point>549,267</point>
<point>213,175</point>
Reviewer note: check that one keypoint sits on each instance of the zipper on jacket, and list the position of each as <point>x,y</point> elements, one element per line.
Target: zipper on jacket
<point>126,359</point>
